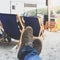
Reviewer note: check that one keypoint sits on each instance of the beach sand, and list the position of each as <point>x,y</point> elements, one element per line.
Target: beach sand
<point>50,49</point>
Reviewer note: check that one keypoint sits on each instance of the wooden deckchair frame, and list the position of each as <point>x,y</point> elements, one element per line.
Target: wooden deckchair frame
<point>20,19</point>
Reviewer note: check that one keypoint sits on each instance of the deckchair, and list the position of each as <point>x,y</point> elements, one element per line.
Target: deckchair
<point>34,23</point>
<point>10,26</point>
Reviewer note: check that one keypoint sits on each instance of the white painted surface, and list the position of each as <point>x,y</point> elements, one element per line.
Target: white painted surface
<point>4,6</point>
<point>19,7</point>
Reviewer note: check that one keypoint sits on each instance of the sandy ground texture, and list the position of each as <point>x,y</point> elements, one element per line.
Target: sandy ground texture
<point>50,50</point>
<point>51,46</point>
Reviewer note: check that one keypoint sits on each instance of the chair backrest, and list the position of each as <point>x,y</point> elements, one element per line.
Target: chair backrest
<point>33,22</point>
<point>10,25</point>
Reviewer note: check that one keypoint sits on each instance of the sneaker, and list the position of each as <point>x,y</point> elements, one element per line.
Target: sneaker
<point>37,44</point>
<point>27,39</point>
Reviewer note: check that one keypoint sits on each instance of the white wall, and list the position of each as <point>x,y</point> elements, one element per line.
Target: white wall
<point>19,6</point>
<point>4,6</point>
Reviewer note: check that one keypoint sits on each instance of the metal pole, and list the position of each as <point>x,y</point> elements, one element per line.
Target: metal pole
<point>10,7</point>
<point>48,7</point>
<point>36,9</point>
<point>49,10</point>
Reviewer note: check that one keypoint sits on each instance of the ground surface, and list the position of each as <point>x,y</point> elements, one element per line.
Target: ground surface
<point>51,46</point>
<point>50,50</point>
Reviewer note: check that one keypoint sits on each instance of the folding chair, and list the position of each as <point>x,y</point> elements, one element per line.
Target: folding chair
<point>34,23</point>
<point>10,25</point>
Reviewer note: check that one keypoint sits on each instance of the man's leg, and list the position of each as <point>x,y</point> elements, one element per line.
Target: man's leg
<point>27,39</point>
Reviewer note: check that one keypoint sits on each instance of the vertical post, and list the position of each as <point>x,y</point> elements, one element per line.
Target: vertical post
<point>48,8</point>
<point>36,9</point>
<point>49,13</point>
<point>10,6</point>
